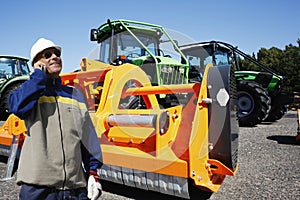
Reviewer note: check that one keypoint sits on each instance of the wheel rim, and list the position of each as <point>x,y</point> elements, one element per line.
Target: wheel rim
<point>245,104</point>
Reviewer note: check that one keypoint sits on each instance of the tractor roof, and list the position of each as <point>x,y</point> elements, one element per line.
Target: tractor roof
<point>229,47</point>
<point>14,57</point>
<point>118,26</point>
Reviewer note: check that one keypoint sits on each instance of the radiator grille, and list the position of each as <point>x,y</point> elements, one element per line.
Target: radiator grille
<point>170,74</point>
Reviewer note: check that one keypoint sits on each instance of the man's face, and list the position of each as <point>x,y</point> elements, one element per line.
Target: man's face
<point>51,58</point>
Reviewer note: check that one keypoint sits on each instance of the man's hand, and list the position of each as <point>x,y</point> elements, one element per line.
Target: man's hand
<point>40,65</point>
<point>94,186</point>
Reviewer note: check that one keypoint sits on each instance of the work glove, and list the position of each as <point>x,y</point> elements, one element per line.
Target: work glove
<point>94,186</point>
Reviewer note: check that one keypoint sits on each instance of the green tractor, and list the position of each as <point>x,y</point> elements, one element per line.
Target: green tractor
<point>146,45</point>
<point>13,72</point>
<point>260,97</point>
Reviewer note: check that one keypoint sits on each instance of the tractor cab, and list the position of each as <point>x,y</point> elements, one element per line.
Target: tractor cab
<point>201,54</point>
<point>145,45</point>
<point>11,67</point>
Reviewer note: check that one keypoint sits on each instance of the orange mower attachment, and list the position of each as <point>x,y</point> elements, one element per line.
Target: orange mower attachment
<point>174,148</point>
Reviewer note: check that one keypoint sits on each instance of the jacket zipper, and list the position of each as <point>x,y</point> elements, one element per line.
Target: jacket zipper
<point>62,144</point>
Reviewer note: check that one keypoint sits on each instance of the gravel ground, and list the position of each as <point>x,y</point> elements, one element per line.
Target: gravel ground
<point>269,167</point>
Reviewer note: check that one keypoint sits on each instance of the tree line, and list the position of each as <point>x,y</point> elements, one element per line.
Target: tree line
<point>285,62</point>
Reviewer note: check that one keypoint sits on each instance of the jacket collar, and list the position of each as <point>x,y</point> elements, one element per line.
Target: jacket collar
<point>54,82</point>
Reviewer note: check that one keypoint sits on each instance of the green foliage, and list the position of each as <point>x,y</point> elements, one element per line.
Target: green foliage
<point>285,62</point>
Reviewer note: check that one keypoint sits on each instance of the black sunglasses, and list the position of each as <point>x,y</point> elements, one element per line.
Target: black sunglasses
<point>49,53</point>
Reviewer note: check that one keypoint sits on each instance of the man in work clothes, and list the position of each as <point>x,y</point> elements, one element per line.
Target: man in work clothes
<point>61,152</point>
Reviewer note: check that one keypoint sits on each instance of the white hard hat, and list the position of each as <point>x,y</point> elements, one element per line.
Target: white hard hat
<point>39,46</point>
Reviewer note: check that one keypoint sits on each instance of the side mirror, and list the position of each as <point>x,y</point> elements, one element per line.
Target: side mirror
<point>93,36</point>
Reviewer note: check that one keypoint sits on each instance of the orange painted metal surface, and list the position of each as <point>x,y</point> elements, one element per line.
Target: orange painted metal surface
<point>13,126</point>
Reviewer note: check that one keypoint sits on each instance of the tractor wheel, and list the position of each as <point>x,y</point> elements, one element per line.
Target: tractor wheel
<point>253,103</point>
<point>4,111</point>
<point>276,113</point>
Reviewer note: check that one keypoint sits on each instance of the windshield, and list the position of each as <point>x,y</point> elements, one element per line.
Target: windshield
<point>221,58</point>
<point>10,67</point>
<point>200,56</point>
<point>125,44</point>
<point>24,67</point>
<point>134,44</point>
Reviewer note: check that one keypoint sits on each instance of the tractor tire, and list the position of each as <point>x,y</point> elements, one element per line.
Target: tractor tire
<point>4,111</point>
<point>253,103</point>
<point>276,113</point>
